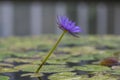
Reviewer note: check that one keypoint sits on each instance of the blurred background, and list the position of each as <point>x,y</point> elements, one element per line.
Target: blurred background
<point>36,18</point>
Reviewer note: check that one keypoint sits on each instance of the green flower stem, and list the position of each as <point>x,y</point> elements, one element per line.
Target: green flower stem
<point>50,52</point>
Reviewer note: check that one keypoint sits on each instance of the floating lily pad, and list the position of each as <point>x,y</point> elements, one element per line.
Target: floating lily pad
<point>44,69</point>
<point>5,54</point>
<point>78,58</point>
<point>22,60</point>
<point>27,67</point>
<point>93,68</point>
<point>115,70</point>
<point>32,74</point>
<point>80,50</point>
<point>30,54</point>
<point>65,76</point>
<point>59,58</point>
<point>5,65</point>
<point>4,70</point>
<point>4,78</point>
<point>62,55</point>
<point>101,77</point>
<point>55,68</point>
<point>102,55</point>
<point>73,76</point>
<point>56,61</point>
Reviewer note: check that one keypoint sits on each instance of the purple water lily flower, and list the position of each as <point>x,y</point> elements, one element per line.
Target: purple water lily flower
<point>68,25</point>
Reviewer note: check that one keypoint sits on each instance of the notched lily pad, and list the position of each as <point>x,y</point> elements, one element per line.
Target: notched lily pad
<point>55,68</point>
<point>22,60</point>
<point>79,58</point>
<point>5,65</point>
<point>44,69</point>
<point>101,77</point>
<point>56,61</point>
<point>65,76</point>
<point>3,70</point>
<point>115,70</point>
<point>93,68</point>
<point>4,78</point>
<point>32,74</point>
<point>27,67</point>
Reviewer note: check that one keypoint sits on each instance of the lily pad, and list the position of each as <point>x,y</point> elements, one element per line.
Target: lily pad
<point>4,77</point>
<point>32,74</point>
<point>56,61</point>
<point>101,77</point>
<point>93,68</point>
<point>44,69</point>
<point>79,58</point>
<point>4,70</point>
<point>65,76</point>
<point>22,60</point>
<point>115,70</point>
<point>5,65</point>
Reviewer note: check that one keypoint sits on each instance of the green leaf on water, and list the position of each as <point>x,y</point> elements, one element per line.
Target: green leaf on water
<point>27,67</point>
<point>59,58</point>
<point>4,70</point>
<point>55,68</point>
<point>23,60</point>
<point>79,58</point>
<point>73,76</point>
<point>101,77</point>
<point>92,68</point>
<point>56,61</point>
<point>115,70</point>
<point>4,77</point>
<point>32,75</point>
<point>65,76</point>
<point>44,69</point>
<point>5,64</point>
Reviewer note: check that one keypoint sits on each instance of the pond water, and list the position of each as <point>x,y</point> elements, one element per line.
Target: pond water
<point>74,59</point>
